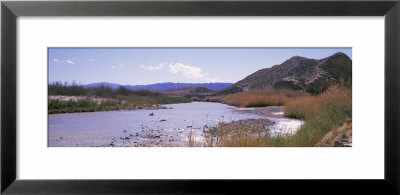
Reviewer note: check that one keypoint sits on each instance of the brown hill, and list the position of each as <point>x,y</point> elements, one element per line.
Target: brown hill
<point>299,73</point>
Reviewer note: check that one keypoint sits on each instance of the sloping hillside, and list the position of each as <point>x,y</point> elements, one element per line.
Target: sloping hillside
<point>299,73</point>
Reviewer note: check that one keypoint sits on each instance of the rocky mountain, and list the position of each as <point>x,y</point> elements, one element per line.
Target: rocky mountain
<point>162,86</point>
<point>299,73</point>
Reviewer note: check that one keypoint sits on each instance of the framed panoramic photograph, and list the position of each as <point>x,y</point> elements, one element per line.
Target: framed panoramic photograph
<point>200,97</point>
<point>118,97</point>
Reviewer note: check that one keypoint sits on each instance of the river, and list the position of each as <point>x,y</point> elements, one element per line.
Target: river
<point>163,127</point>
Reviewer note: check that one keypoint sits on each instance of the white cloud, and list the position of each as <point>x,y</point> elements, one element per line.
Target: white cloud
<point>190,72</point>
<point>112,67</point>
<point>63,61</point>
<point>90,59</point>
<point>159,67</point>
<point>69,61</point>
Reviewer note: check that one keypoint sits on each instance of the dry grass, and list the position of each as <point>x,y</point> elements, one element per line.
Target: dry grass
<point>302,107</point>
<point>334,106</point>
<point>323,113</point>
<point>258,98</point>
<point>191,141</point>
<point>336,135</point>
<point>242,133</point>
<point>306,107</point>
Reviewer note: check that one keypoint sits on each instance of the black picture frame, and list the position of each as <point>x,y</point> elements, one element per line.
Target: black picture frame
<point>11,10</point>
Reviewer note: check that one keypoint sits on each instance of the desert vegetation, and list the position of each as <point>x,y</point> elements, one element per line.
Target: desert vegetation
<point>327,115</point>
<point>329,112</point>
<point>81,99</point>
<point>258,98</point>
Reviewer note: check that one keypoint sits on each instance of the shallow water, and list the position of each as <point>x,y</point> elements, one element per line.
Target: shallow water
<point>164,127</point>
<point>284,126</point>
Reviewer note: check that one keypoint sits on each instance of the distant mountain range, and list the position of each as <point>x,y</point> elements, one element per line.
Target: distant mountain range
<point>299,73</point>
<point>162,86</point>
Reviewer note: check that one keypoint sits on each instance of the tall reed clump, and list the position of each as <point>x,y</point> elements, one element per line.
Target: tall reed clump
<point>261,98</point>
<point>307,107</point>
<point>334,107</point>
<point>302,107</point>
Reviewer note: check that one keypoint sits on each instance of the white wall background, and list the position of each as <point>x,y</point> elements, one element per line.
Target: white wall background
<point>364,160</point>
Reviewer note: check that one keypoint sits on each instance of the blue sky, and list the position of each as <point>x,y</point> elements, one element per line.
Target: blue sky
<point>136,66</point>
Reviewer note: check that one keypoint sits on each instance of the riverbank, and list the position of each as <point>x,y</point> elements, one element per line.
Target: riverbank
<point>181,126</point>
<point>258,98</point>
<point>242,133</point>
<point>326,122</point>
<point>71,104</point>
<point>65,98</point>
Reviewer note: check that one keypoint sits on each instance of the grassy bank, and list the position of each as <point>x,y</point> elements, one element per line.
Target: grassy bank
<point>104,99</point>
<point>86,105</point>
<point>258,98</point>
<point>323,113</point>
